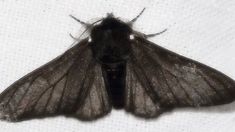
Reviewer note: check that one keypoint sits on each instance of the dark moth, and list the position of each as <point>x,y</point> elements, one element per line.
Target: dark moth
<point>117,67</point>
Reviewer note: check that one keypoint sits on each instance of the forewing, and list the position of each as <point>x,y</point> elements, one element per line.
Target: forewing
<point>170,80</point>
<point>59,87</point>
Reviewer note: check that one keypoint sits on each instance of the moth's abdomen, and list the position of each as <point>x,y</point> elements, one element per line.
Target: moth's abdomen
<point>114,75</point>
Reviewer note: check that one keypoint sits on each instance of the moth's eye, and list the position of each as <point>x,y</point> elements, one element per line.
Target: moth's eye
<point>89,39</point>
<point>132,37</point>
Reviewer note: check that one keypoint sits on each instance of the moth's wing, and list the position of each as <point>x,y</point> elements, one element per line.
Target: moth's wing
<point>71,85</point>
<point>158,80</point>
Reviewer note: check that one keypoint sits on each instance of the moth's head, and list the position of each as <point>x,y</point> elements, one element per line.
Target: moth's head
<point>110,38</point>
<point>111,27</point>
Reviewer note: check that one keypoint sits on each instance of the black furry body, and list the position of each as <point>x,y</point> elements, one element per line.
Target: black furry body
<point>111,47</point>
<point>113,69</point>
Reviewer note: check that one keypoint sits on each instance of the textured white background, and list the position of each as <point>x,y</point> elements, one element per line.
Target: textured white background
<point>34,32</point>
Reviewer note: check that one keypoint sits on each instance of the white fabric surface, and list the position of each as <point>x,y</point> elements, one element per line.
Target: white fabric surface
<point>34,32</point>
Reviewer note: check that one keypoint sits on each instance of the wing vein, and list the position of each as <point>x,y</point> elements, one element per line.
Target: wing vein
<point>186,93</point>
<point>211,86</point>
<point>81,97</point>
<point>48,100</point>
<point>167,84</point>
<point>149,87</point>
<point>62,94</point>
<point>46,89</point>
<point>31,83</point>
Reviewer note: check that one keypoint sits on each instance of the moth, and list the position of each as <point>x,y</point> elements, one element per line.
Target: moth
<point>115,67</point>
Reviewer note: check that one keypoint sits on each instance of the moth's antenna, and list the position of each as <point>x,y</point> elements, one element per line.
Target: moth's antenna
<point>81,22</point>
<point>133,20</point>
<point>155,34</point>
<point>74,38</point>
<point>88,27</point>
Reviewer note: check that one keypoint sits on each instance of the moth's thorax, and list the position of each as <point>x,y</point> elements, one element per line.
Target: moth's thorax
<point>111,40</point>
